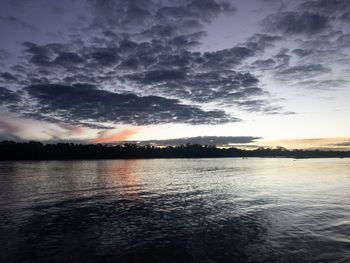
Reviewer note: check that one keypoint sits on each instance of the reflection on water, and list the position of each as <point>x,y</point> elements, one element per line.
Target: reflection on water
<point>186,210</point>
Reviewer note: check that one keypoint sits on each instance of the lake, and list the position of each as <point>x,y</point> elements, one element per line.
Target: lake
<point>176,210</point>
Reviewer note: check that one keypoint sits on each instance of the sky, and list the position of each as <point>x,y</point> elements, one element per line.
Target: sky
<point>246,73</point>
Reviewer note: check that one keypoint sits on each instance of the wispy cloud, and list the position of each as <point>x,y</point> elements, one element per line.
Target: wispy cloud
<point>203,140</point>
<point>309,143</point>
<point>110,137</point>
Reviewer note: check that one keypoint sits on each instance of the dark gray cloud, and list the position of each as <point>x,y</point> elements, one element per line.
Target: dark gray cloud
<point>306,66</point>
<point>51,55</point>
<point>156,76</point>
<point>294,23</point>
<point>204,10</point>
<point>227,58</point>
<point>203,140</point>
<point>39,55</point>
<point>68,59</point>
<point>316,31</point>
<point>137,14</point>
<point>163,67</point>
<point>334,8</point>
<point>259,105</point>
<point>259,42</point>
<point>223,86</point>
<point>264,64</point>
<point>146,47</point>
<point>302,52</point>
<point>122,13</point>
<point>282,58</point>
<point>8,76</point>
<point>104,56</point>
<point>82,102</point>
<point>342,144</point>
<point>8,97</point>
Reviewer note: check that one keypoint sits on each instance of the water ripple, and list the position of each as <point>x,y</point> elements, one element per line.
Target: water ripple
<point>222,210</point>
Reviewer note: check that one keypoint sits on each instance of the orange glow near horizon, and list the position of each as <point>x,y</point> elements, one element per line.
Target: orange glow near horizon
<point>73,130</point>
<point>313,143</point>
<point>107,137</point>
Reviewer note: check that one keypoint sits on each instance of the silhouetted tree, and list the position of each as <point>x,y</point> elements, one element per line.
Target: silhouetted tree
<point>10,150</point>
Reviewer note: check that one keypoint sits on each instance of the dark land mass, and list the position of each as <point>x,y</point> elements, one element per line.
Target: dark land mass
<point>10,150</point>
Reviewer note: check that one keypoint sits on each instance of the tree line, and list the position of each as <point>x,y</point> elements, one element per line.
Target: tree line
<point>10,150</point>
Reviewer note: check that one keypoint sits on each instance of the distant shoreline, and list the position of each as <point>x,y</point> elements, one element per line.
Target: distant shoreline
<point>10,150</point>
<point>164,158</point>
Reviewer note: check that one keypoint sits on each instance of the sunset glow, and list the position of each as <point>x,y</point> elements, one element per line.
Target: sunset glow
<point>108,137</point>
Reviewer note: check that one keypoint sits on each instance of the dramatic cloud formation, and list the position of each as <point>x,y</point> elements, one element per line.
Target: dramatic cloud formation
<point>99,64</point>
<point>83,102</point>
<point>153,55</point>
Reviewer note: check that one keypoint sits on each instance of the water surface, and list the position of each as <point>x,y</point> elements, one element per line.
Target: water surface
<point>175,210</point>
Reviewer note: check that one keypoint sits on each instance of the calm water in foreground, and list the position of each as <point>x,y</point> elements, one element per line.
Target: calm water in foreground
<point>185,210</point>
